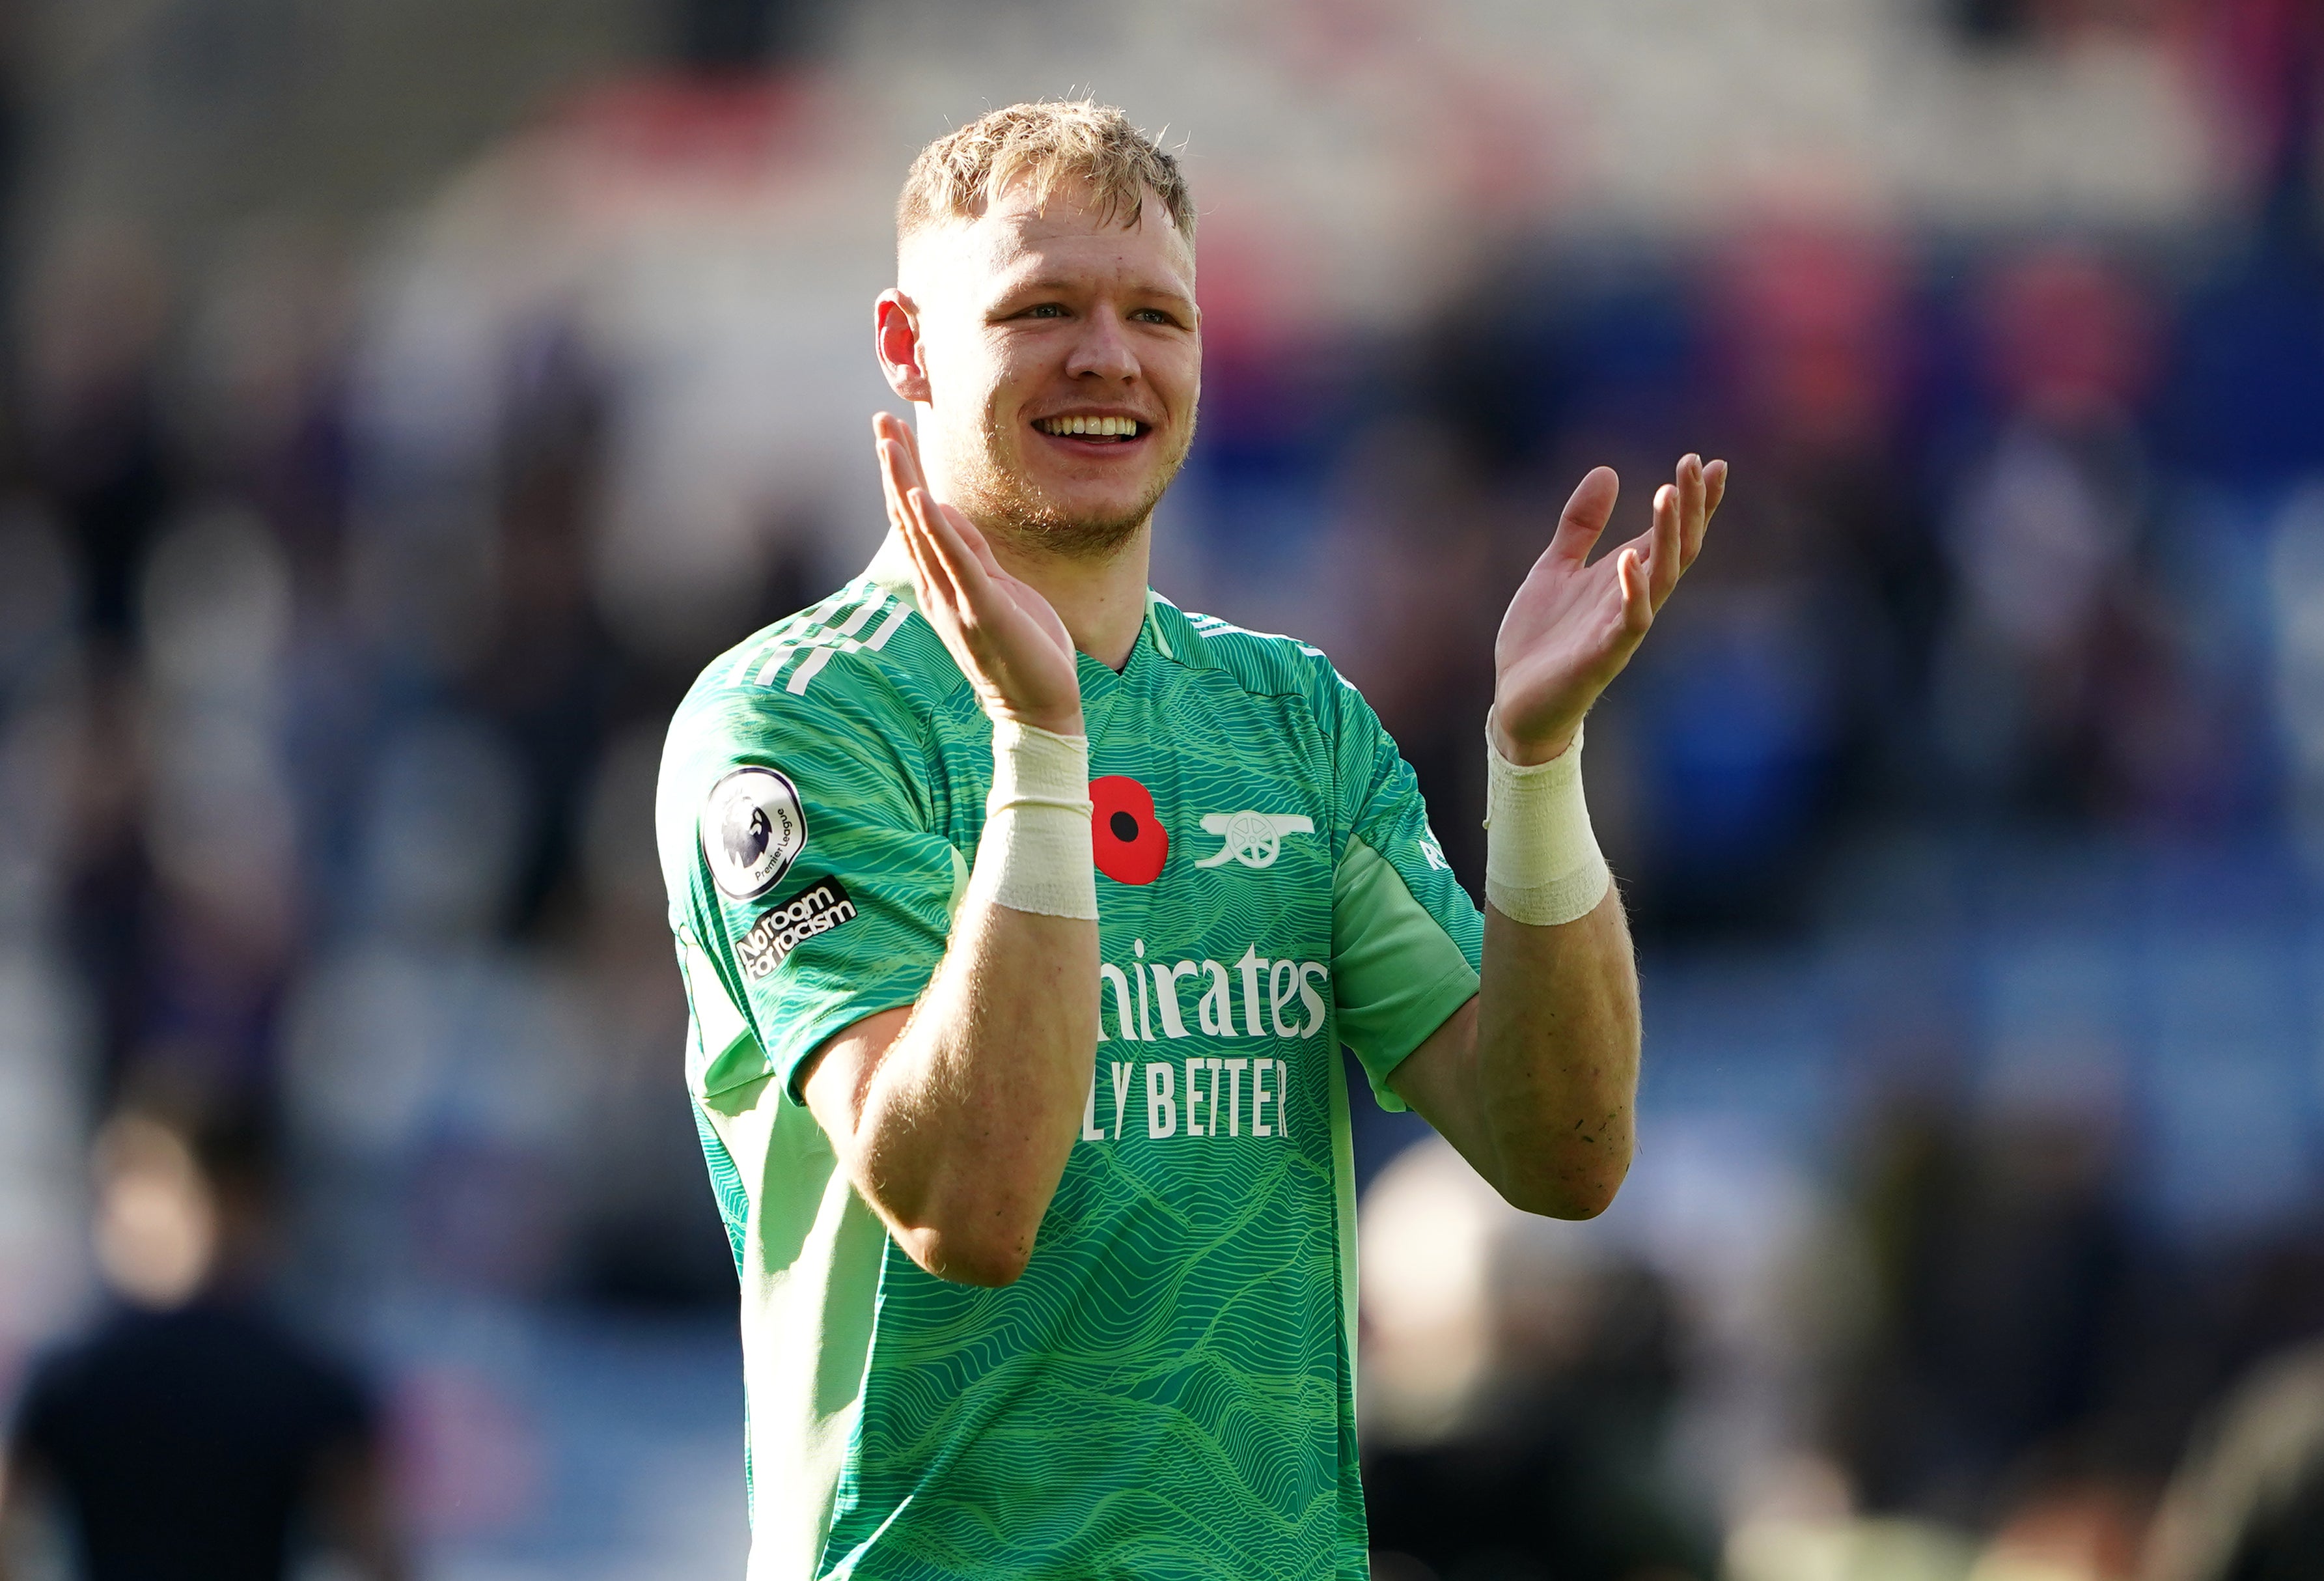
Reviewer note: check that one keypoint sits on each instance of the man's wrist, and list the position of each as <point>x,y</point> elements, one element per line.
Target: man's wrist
<point>1543,866</point>
<point>1056,723</point>
<point>1528,754</point>
<point>1034,855</point>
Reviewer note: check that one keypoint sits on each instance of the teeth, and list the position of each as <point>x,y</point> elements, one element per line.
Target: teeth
<point>1091,427</point>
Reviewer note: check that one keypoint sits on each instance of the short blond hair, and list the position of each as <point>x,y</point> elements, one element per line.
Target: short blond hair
<point>1045,143</point>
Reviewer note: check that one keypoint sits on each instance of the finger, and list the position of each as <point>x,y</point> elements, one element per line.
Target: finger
<point>887,430</point>
<point>1662,558</point>
<point>1690,508</point>
<point>968,579</point>
<point>966,531</point>
<point>908,443</point>
<point>1638,591</point>
<point>891,480</point>
<point>1586,513</point>
<point>1714,484</point>
<point>935,596</point>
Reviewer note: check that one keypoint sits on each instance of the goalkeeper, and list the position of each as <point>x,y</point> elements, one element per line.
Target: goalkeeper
<point>1023,916</point>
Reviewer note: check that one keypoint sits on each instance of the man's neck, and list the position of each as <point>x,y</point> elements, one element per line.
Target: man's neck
<point>1102,602</point>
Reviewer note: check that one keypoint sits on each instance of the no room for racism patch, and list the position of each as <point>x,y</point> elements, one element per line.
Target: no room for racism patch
<point>1125,835</point>
<point>821,907</point>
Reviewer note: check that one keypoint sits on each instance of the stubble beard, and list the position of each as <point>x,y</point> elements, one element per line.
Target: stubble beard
<point>1004,504</point>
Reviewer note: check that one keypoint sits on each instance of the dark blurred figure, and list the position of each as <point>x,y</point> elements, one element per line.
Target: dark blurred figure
<point>1521,1380</point>
<point>95,438</point>
<point>2248,1503</point>
<point>190,1435</point>
<point>2004,1276</point>
<point>1562,1475</point>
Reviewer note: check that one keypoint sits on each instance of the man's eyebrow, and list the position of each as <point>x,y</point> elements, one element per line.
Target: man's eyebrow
<point>1066,286</point>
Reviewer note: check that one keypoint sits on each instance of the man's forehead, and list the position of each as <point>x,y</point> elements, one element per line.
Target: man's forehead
<point>1019,234</point>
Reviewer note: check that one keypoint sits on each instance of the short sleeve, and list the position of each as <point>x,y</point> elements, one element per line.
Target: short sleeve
<point>1407,940</point>
<point>807,889</point>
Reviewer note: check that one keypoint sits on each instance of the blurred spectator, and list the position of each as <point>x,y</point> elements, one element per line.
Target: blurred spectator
<point>94,319</point>
<point>2002,1271</point>
<point>428,1087</point>
<point>1519,1387</point>
<point>189,1433</point>
<point>2061,689</point>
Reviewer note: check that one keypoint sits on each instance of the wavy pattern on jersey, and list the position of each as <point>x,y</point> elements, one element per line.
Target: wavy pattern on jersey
<point>725,1185</point>
<point>1167,1392</point>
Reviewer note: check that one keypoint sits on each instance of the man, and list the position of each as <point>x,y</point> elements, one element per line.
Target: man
<point>1017,1031</point>
<point>189,1433</point>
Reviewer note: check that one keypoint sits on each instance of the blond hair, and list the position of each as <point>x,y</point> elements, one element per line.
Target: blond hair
<point>1044,142</point>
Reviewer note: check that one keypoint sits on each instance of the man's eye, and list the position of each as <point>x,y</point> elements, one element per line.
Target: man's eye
<point>1045,310</point>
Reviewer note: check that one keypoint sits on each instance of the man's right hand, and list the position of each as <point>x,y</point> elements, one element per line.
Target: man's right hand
<point>1004,635</point>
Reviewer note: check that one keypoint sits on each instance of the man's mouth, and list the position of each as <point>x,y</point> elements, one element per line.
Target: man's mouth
<point>1093,429</point>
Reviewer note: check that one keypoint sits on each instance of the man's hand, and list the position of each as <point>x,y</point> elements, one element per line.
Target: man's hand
<point>955,1118</point>
<point>1572,625</point>
<point>1003,635</point>
<point>1535,1079</point>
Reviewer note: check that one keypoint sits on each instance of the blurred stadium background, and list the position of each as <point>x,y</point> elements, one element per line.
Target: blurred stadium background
<point>400,399</point>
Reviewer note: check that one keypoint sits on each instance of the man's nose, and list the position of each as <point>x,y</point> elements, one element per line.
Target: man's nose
<point>1103,350</point>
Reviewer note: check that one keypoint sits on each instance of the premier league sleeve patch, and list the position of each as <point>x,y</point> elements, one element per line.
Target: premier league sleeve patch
<point>753,829</point>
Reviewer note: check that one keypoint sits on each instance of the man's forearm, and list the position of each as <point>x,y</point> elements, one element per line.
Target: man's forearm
<point>955,1122</point>
<point>1534,1079</point>
<point>1557,1058</point>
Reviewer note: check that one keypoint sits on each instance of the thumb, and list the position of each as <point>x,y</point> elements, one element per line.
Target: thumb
<point>1587,510</point>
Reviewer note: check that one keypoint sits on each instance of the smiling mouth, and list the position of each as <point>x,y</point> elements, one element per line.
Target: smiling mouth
<point>1101,430</point>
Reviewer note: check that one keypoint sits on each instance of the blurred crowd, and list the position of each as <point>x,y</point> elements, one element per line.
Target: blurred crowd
<point>347,582</point>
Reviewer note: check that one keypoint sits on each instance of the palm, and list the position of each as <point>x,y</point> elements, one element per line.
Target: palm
<point>1574,625</point>
<point>1024,656</point>
<point>1004,635</point>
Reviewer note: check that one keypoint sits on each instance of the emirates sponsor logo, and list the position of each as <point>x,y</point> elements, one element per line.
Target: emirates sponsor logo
<point>1225,1096</point>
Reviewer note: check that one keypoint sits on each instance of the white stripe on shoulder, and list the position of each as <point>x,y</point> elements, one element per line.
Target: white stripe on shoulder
<point>747,656</point>
<point>855,622</point>
<point>776,649</point>
<point>821,645</point>
<point>775,660</point>
<point>889,627</point>
<point>1211,625</point>
<point>810,668</point>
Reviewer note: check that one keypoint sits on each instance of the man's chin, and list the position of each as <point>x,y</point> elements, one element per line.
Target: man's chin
<point>1075,528</point>
<point>1073,537</point>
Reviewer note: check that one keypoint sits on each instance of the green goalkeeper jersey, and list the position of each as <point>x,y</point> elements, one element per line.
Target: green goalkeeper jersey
<point>1169,1390</point>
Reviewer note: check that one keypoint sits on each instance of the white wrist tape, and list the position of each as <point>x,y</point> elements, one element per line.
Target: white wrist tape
<point>1542,863</point>
<point>1035,855</point>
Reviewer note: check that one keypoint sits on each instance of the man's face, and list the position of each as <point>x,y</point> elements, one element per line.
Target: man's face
<point>1063,362</point>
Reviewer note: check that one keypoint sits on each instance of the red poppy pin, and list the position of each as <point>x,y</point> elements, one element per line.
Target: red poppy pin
<point>1126,837</point>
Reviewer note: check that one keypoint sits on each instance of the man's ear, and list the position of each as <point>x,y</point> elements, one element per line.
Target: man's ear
<point>895,336</point>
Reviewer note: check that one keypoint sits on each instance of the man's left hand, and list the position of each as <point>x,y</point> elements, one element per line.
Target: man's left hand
<point>1574,626</point>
